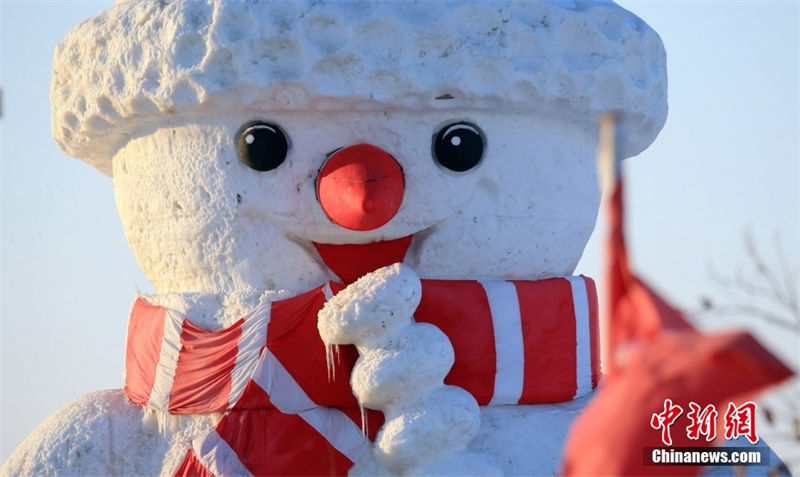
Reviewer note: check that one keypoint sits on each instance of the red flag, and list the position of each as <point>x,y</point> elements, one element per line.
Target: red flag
<point>655,355</point>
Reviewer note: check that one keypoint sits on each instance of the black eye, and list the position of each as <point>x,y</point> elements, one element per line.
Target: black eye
<point>459,146</point>
<point>262,146</point>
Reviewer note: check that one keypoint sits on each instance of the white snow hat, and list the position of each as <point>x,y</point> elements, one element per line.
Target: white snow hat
<point>142,62</point>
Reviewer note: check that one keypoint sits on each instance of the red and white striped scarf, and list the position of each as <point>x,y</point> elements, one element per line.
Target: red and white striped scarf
<point>515,342</point>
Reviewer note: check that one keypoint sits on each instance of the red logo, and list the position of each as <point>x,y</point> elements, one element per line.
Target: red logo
<point>741,421</point>
<point>703,422</point>
<point>738,421</point>
<point>665,419</point>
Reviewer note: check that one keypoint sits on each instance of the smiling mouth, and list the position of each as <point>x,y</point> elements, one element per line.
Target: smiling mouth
<point>352,261</point>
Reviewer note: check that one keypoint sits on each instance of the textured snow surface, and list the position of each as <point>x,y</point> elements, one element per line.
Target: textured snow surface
<point>214,311</point>
<point>198,220</point>
<point>400,372</point>
<point>104,433</point>
<point>527,440</point>
<point>140,62</point>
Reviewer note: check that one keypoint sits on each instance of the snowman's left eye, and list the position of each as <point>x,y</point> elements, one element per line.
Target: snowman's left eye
<point>262,146</point>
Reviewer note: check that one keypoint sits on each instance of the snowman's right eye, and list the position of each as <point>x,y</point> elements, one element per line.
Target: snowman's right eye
<point>459,146</point>
<point>262,146</point>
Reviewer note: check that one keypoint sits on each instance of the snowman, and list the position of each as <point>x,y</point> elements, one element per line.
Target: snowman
<point>361,220</point>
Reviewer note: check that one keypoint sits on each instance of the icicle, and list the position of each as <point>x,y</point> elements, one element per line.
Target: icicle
<point>163,419</point>
<point>329,361</point>
<point>332,358</point>
<point>149,422</point>
<point>163,422</point>
<point>364,423</point>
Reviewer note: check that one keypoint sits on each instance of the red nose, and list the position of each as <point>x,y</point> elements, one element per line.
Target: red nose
<point>360,187</point>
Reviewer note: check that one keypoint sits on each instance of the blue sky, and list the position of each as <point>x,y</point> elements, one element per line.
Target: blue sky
<point>727,161</point>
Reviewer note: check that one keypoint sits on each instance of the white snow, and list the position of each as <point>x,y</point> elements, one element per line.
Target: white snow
<point>157,91</point>
<point>199,221</point>
<point>572,60</point>
<point>373,309</point>
<point>400,372</point>
<point>104,433</point>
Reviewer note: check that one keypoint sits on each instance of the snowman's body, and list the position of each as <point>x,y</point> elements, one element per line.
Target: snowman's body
<point>102,433</point>
<point>217,238</point>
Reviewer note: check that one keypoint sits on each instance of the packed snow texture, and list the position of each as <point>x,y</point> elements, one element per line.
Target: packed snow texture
<point>104,433</point>
<point>198,220</point>
<point>400,371</point>
<point>570,59</point>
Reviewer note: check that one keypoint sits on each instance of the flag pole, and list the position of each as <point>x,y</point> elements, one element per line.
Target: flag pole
<point>617,272</point>
<point>608,166</point>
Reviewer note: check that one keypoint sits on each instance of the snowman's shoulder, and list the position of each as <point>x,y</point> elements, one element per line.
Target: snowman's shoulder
<point>83,437</point>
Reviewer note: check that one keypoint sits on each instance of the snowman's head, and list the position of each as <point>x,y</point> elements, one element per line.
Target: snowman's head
<point>253,145</point>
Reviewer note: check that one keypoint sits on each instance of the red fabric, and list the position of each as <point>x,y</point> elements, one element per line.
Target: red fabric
<point>609,436</point>
<point>594,330</point>
<point>548,330</point>
<point>145,328</point>
<point>290,445</point>
<point>654,355</point>
<point>446,304</point>
<point>203,378</point>
<point>191,467</point>
<point>634,311</point>
<point>360,187</point>
<point>292,333</point>
<point>460,308</point>
<point>352,261</point>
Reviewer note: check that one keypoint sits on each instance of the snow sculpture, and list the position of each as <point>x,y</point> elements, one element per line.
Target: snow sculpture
<point>402,365</point>
<point>269,157</point>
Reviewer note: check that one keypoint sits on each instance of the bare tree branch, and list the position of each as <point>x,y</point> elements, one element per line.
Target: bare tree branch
<point>760,313</point>
<point>764,290</point>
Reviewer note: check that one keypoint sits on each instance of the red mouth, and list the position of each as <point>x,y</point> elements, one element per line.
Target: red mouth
<point>352,261</point>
